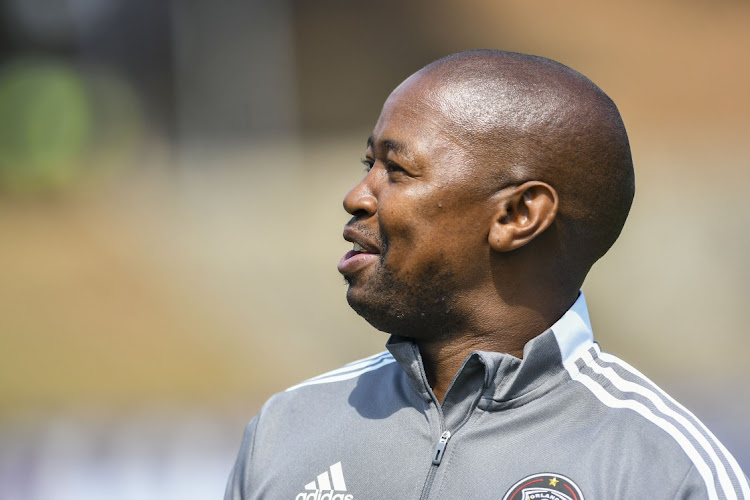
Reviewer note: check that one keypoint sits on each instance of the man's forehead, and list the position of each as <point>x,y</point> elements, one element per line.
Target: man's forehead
<point>410,123</point>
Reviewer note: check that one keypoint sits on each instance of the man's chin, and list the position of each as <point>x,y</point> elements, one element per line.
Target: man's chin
<point>384,316</point>
<point>357,299</point>
<point>395,306</point>
<point>370,311</point>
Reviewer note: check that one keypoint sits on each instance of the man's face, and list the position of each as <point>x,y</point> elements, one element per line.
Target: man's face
<point>420,221</point>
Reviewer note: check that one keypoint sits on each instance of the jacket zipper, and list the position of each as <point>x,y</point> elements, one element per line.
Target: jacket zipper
<point>437,457</point>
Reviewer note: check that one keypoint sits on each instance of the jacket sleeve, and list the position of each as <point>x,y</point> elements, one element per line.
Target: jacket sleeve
<point>238,487</point>
<point>694,487</point>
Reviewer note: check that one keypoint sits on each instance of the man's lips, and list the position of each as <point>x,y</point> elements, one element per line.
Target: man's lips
<point>364,252</point>
<point>353,261</point>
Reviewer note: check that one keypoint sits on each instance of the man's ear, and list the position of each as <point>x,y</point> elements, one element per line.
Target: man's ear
<point>522,213</point>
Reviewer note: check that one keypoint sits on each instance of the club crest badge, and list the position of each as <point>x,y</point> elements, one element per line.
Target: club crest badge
<point>544,486</point>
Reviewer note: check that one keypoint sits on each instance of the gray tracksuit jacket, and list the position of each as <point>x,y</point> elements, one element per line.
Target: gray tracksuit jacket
<point>568,422</point>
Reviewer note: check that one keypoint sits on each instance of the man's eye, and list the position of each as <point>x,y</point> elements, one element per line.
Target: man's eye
<point>393,167</point>
<point>368,163</point>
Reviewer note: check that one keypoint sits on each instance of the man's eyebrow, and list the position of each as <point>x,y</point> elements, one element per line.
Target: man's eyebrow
<point>395,146</point>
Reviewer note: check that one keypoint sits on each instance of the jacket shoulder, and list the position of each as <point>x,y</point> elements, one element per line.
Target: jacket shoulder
<point>644,420</point>
<point>333,391</point>
<point>350,371</point>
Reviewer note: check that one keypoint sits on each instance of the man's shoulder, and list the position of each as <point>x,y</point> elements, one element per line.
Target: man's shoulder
<point>639,419</point>
<point>628,398</point>
<point>350,372</point>
<point>367,375</point>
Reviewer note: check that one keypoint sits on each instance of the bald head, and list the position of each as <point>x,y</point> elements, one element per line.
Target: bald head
<point>523,117</point>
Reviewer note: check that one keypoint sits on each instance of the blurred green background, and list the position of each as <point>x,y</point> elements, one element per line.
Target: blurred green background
<point>171,177</point>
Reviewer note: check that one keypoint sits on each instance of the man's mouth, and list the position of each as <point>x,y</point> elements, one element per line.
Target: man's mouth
<point>358,257</point>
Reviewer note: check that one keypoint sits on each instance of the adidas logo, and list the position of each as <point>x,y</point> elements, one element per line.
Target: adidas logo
<point>326,486</point>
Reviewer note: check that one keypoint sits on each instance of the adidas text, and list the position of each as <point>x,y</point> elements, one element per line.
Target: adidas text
<point>320,495</point>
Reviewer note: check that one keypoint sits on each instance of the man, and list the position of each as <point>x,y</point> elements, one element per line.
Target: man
<point>494,182</point>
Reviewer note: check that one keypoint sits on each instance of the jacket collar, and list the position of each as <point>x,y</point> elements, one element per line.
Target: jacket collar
<point>494,379</point>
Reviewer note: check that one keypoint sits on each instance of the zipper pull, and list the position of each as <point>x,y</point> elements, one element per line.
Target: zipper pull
<point>437,457</point>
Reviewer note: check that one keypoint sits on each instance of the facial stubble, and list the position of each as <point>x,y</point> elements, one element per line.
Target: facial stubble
<point>417,305</point>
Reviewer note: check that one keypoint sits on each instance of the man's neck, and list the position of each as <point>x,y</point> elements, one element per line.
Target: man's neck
<point>442,358</point>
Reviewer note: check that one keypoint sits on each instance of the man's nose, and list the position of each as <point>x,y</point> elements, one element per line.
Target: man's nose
<point>360,200</point>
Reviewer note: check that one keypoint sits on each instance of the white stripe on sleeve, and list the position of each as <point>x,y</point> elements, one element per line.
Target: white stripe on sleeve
<point>741,479</point>
<point>333,377</point>
<point>613,402</point>
<point>626,386</point>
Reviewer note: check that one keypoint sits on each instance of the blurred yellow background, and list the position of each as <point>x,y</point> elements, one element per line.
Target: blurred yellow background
<point>171,177</point>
